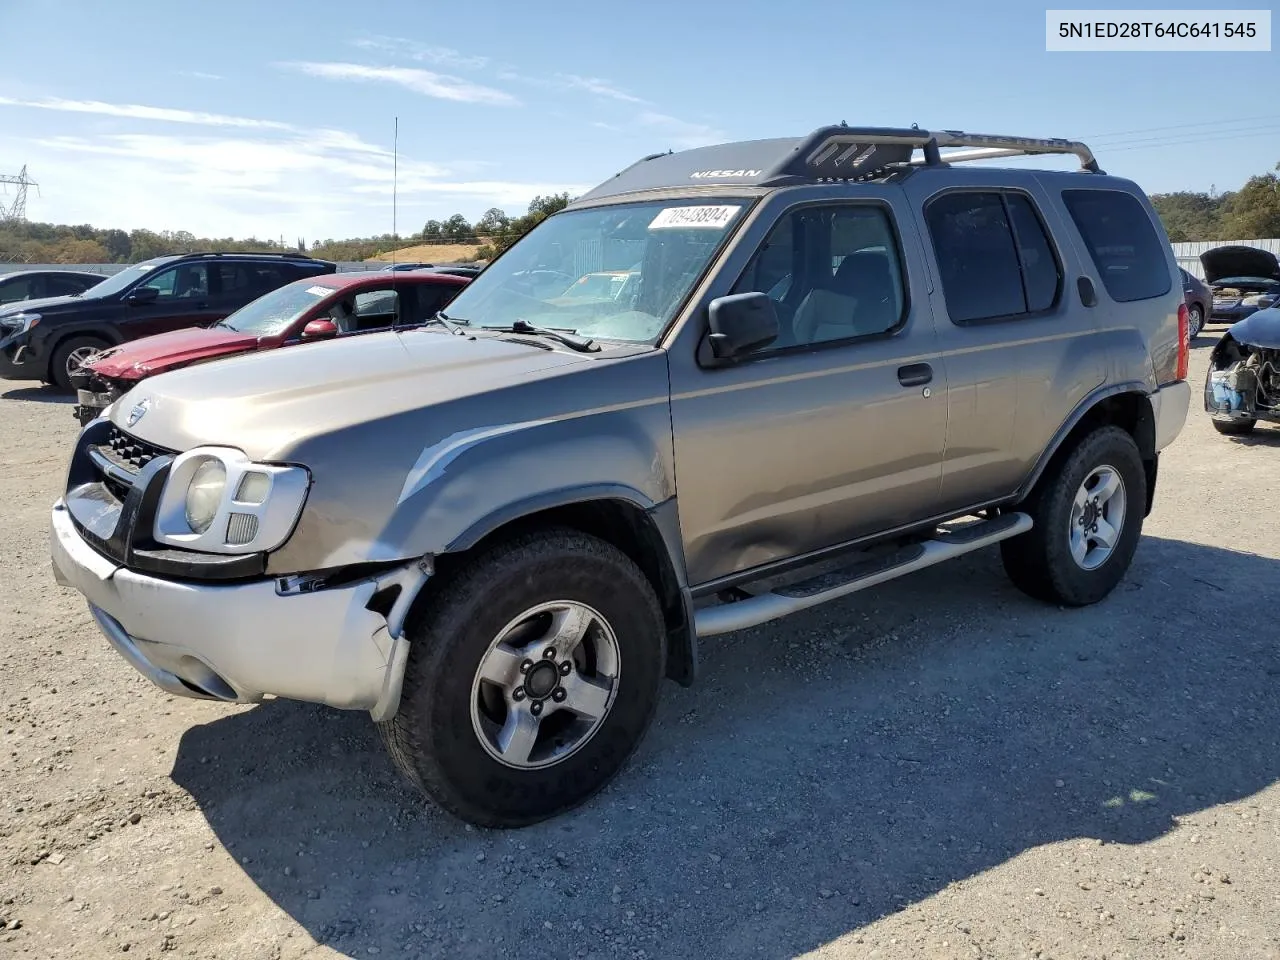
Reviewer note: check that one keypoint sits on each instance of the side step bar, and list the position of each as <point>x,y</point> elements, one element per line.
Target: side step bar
<point>783,601</point>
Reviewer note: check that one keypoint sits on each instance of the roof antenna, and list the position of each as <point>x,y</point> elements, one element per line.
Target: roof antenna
<point>395,172</point>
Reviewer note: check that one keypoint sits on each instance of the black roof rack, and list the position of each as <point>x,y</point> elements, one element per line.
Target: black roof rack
<point>835,153</point>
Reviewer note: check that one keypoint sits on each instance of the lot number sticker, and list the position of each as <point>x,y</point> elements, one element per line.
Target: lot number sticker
<point>713,218</point>
<point>319,291</point>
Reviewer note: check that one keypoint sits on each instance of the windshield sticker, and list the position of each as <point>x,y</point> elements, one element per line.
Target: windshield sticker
<point>319,291</point>
<point>714,218</point>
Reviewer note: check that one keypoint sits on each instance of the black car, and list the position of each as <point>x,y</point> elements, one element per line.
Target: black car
<point>48,339</point>
<point>39,284</point>
<point>1244,280</point>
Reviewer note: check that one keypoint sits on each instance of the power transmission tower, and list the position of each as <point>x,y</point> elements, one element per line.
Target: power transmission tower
<point>16,212</point>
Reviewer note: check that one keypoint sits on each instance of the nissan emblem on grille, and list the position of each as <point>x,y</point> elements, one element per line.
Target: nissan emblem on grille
<point>139,409</point>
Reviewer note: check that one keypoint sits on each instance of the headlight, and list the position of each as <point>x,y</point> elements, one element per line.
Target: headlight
<point>21,322</point>
<point>217,500</point>
<point>204,494</point>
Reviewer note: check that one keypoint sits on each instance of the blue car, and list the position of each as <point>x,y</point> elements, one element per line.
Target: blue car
<point>1243,279</point>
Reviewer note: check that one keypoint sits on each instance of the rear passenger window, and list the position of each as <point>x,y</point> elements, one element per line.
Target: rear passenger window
<point>995,259</point>
<point>1122,242</point>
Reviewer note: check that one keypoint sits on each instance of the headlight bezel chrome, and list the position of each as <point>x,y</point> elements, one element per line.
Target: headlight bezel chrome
<point>260,527</point>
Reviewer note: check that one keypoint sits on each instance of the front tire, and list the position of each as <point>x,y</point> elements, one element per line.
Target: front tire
<point>532,676</point>
<point>1088,517</point>
<point>1234,428</point>
<point>69,355</point>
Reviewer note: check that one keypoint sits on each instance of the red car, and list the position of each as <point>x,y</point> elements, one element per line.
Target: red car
<point>314,308</point>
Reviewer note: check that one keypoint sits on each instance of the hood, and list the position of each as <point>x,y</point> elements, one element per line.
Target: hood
<point>165,351</point>
<point>1239,261</point>
<point>43,305</point>
<point>1260,329</point>
<point>269,403</point>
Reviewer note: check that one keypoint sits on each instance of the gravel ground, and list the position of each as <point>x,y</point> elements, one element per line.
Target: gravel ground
<point>936,768</point>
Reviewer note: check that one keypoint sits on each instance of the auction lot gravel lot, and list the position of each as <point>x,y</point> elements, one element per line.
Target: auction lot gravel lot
<point>937,768</point>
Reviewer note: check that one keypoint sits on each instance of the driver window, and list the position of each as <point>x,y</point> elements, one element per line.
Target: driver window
<point>833,272</point>
<point>186,282</point>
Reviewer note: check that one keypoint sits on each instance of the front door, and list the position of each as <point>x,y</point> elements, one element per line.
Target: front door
<point>182,300</point>
<point>835,431</point>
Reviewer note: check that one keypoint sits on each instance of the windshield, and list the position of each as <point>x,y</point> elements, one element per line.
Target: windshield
<point>616,273</point>
<point>123,279</point>
<point>274,312</point>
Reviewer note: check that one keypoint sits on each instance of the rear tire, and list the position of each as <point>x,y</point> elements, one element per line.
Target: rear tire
<point>1047,562</point>
<point>1195,317</point>
<point>1234,428</point>
<point>72,350</point>
<point>468,698</point>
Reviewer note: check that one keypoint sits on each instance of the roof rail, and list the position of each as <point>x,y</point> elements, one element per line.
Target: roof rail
<point>864,153</point>
<point>293,255</point>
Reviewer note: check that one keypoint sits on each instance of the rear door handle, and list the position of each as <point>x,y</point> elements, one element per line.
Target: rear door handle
<point>915,374</point>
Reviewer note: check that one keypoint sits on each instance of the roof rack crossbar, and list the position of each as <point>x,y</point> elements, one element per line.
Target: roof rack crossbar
<point>864,153</point>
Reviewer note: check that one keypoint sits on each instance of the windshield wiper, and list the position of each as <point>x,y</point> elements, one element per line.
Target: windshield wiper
<point>449,323</point>
<point>574,343</point>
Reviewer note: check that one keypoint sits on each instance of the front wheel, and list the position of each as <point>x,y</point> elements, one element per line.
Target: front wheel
<point>531,678</point>
<point>1088,517</point>
<point>1234,428</point>
<point>69,356</point>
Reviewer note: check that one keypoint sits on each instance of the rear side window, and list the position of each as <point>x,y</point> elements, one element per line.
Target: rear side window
<point>1122,242</point>
<point>15,290</point>
<point>68,286</point>
<point>994,256</point>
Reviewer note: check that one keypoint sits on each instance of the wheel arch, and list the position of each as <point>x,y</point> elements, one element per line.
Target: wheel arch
<point>647,533</point>
<point>1125,405</point>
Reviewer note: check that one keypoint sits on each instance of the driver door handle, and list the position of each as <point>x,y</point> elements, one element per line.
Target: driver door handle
<point>915,374</point>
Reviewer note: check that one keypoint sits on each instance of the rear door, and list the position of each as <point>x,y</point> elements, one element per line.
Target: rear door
<point>183,299</point>
<point>1020,350</point>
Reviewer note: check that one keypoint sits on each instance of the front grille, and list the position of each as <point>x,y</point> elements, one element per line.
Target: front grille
<point>128,452</point>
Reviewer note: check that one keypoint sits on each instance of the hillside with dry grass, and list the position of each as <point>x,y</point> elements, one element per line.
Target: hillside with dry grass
<point>430,253</point>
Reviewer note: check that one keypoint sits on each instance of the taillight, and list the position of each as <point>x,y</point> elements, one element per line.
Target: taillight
<point>1184,341</point>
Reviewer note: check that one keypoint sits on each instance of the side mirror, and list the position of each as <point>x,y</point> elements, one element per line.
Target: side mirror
<point>143,295</point>
<point>319,329</point>
<point>740,324</point>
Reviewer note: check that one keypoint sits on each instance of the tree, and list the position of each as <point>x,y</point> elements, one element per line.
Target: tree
<point>546,206</point>
<point>457,228</point>
<point>1254,211</point>
<point>1187,215</point>
<point>117,244</point>
<point>493,222</point>
<point>433,230</point>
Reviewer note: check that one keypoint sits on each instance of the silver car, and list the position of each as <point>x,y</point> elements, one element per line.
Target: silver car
<point>840,358</point>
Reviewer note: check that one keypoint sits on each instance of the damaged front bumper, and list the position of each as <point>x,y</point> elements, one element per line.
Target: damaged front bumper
<point>93,396</point>
<point>240,643</point>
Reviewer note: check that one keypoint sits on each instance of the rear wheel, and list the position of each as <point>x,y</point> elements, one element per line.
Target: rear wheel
<point>1234,428</point>
<point>1088,517</point>
<point>1196,320</point>
<point>531,678</point>
<point>69,355</point>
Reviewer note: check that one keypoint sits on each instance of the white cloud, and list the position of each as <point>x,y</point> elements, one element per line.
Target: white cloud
<point>316,184</point>
<point>601,88</point>
<point>682,134</point>
<point>136,111</point>
<point>572,82</point>
<point>425,82</point>
<point>437,56</point>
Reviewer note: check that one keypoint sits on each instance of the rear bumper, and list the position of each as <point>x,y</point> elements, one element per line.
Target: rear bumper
<point>1170,404</point>
<point>240,643</point>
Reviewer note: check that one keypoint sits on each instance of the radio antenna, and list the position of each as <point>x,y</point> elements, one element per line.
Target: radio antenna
<point>395,174</point>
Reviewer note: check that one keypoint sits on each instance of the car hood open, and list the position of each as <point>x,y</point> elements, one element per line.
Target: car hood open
<point>1239,261</point>
<point>165,351</point>
<point>268,403</point>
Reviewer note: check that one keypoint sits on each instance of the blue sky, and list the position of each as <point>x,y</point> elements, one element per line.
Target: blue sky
<point>241,118</point>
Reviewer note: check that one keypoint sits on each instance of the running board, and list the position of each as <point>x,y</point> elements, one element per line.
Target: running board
<point>783,601</point>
